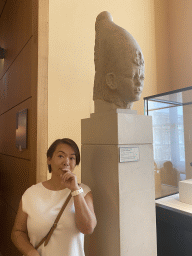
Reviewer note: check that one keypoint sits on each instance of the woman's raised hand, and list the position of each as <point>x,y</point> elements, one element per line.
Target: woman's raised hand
<point>69,179</point>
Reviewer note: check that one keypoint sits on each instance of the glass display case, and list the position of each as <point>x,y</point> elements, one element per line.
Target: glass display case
<point>172,138</point>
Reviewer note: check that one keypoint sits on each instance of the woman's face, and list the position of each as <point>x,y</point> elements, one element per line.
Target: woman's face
<point>63,159</point>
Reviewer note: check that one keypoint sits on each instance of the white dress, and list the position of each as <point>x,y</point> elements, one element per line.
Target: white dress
<point>42,206</point>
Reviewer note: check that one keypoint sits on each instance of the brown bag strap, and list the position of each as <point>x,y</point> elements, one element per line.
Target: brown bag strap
<point>49,234</point>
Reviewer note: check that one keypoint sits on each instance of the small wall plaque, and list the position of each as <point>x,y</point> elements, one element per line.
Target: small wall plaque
<point>127,154</point>
<point>21,129</point>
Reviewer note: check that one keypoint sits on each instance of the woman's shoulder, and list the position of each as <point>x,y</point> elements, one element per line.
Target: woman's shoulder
<point>29,195</point>
<point>33,189</point>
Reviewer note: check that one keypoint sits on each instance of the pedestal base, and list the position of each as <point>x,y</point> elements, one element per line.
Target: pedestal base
<point>185,191</point>
<point>124,193</point>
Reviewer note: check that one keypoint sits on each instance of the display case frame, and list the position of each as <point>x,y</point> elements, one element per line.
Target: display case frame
<point>172,138</point>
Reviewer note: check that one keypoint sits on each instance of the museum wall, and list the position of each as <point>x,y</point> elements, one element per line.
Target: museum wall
<point>162,46</point>
<point>17,92</point>
<point>180,20</point>
<point>173,22</point>
<point>173,35</point>
<point>162,29</point>
<point>71,58</point>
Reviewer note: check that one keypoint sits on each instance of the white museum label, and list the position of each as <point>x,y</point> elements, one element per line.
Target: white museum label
<point>128,154</point>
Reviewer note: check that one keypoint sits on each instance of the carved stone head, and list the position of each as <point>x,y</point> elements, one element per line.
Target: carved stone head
<point>119,64</point>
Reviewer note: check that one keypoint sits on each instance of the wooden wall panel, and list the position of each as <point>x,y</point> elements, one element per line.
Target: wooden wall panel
<point>15,86</point>
<point>16,29</point>
<point>14,175</point>
<point>8,132</point>
<point>7,217</point>
<point>23,84</point>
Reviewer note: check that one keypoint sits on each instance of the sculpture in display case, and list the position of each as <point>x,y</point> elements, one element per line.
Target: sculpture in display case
<point>119,65</point>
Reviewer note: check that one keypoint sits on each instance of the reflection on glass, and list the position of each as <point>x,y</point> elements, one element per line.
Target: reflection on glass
<point>167,111</point>
<point>1,65</point>
<point>21,129</point>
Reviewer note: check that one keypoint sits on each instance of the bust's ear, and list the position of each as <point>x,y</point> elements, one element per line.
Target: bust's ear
<point>111,81</point>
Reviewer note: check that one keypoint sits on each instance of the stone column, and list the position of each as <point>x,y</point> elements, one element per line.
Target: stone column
<point>117,163</point>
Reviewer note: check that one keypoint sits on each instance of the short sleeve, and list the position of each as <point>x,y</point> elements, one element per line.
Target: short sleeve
<point>85,188</point>
<point>26,199</point>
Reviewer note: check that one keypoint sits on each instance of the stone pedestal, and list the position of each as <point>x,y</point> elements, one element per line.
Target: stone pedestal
<point>124,192</point>
<point>185,191</point>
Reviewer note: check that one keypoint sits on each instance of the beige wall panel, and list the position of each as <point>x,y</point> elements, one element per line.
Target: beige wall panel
<point>8,132</point>
<point>14,179</point>
<point>16,29</point>
<point>7,218</point>
<point>15,85</point>
<point>162,45</point>
<point>42,94</point>
<point>180,23</point>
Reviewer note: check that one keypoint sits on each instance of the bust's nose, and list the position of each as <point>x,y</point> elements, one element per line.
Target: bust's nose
<point>138,81</point>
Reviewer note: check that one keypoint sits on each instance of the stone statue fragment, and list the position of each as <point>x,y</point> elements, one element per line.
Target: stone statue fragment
<point>119,65</point>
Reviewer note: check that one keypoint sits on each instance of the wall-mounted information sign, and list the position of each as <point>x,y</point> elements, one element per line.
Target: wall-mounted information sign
<point>21,129</point>
<point>128,154</point>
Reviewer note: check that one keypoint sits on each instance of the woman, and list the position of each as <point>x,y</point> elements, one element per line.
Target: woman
<point>41,203</point>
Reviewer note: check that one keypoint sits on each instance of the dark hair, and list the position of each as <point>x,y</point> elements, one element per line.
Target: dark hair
<point>67,141</point>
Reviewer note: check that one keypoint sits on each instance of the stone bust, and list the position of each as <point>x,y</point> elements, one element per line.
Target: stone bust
<point>119,65</point>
